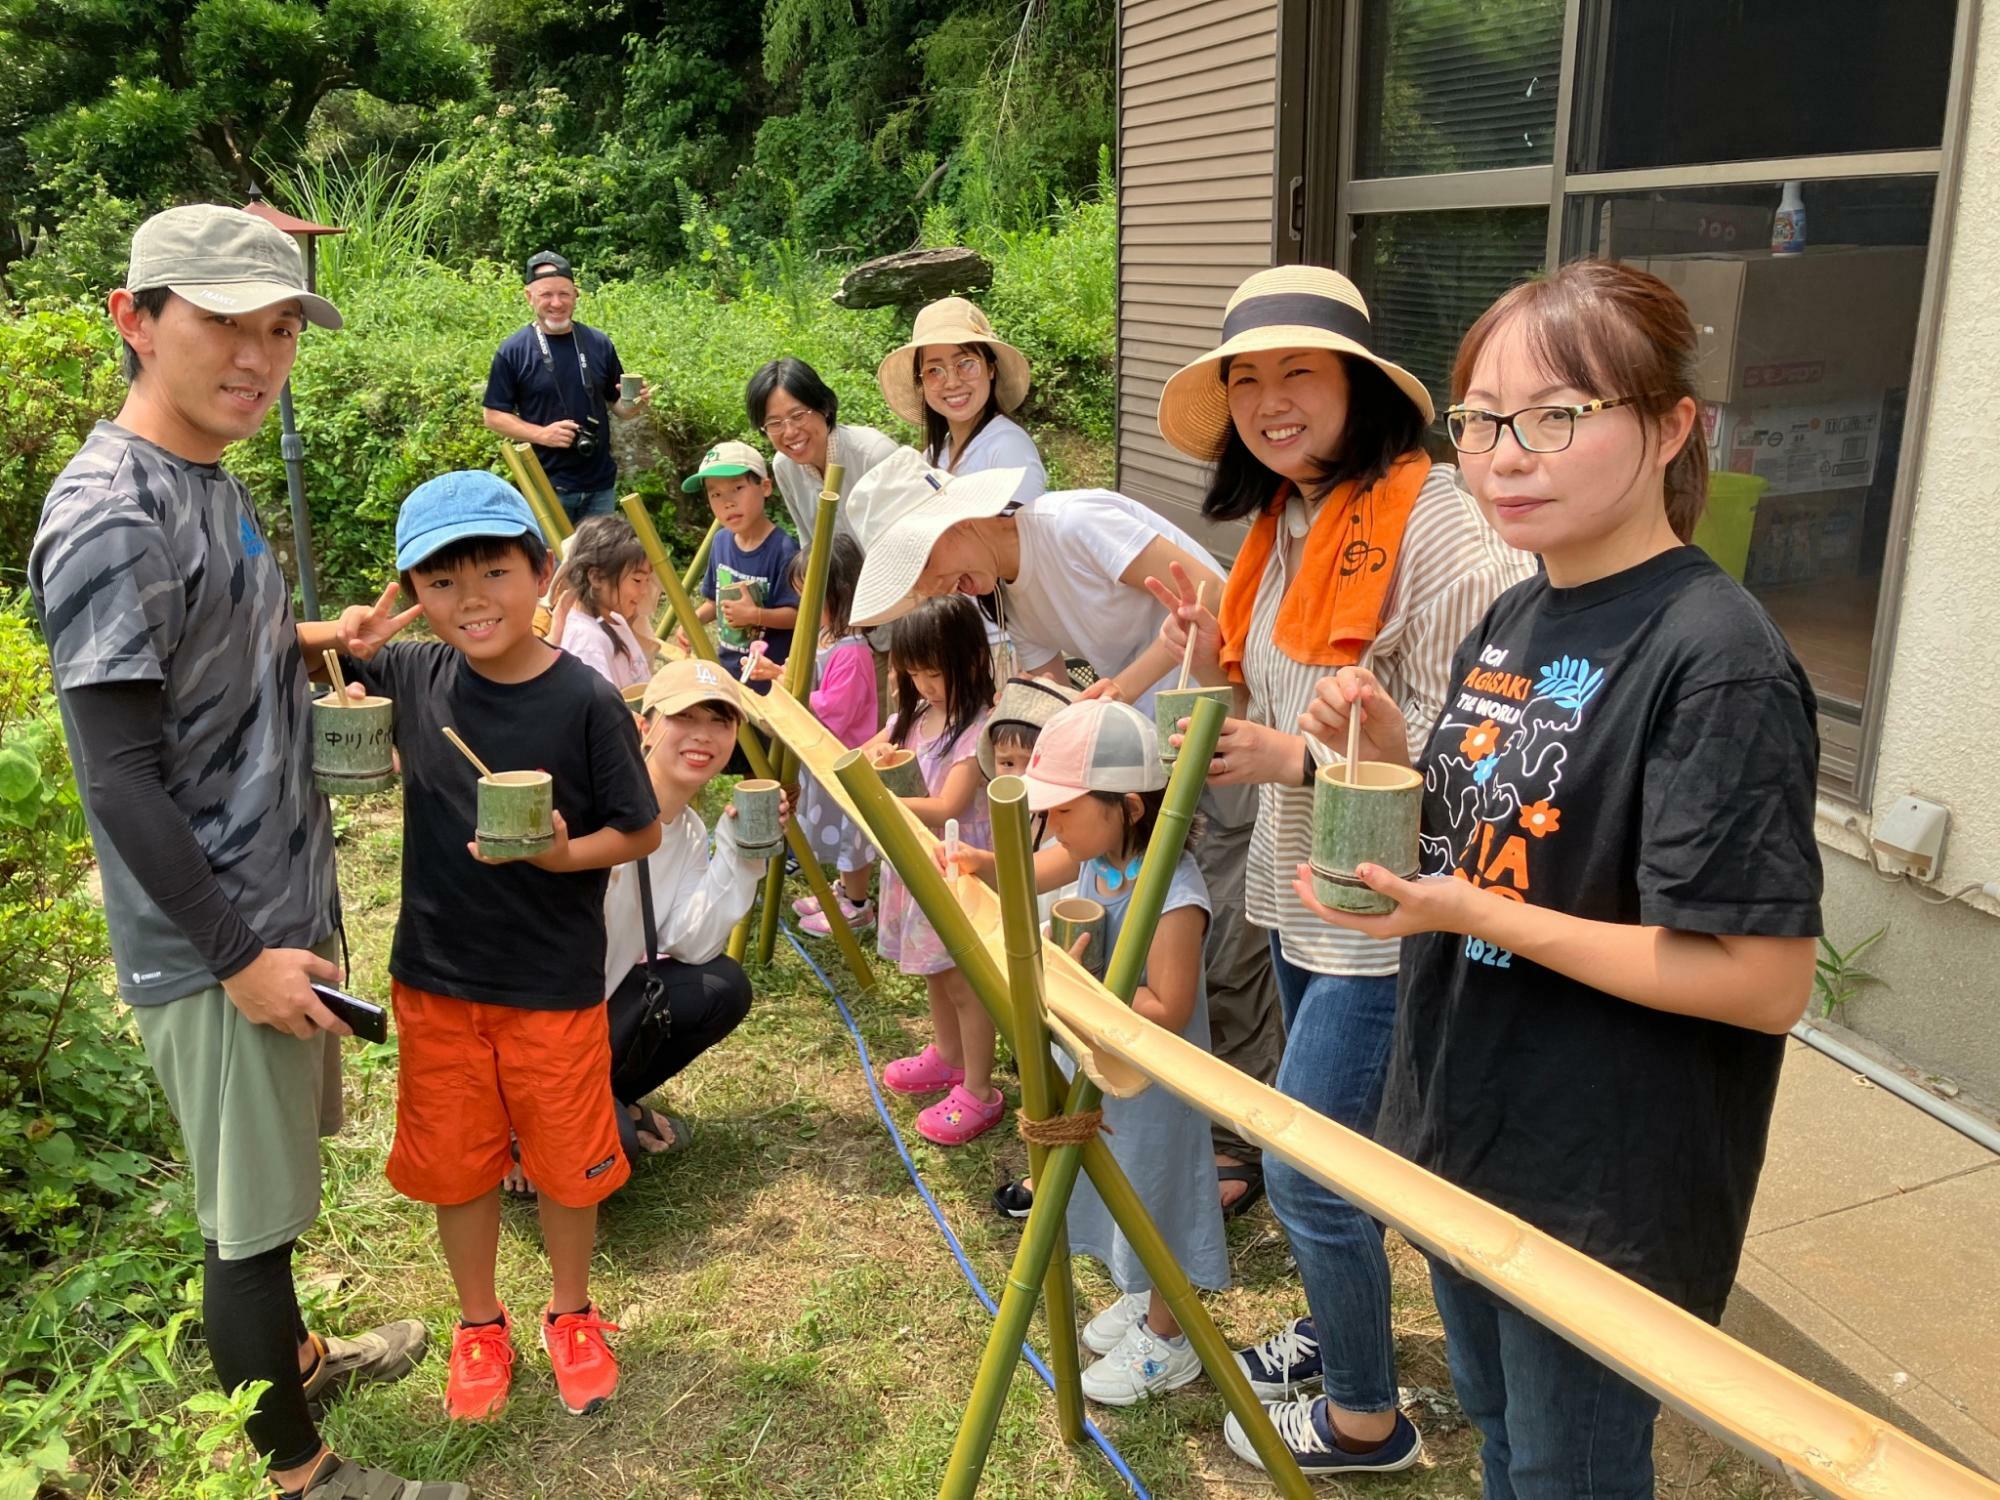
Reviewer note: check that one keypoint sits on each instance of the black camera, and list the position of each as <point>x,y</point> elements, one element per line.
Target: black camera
<point>586,441</point>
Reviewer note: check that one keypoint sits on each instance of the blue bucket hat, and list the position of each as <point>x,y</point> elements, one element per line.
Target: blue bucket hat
<point>451,507</point>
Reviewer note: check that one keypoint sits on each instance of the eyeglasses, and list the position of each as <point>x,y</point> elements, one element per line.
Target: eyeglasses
<point>797,420</point>
<point>1538,429</point>
<point>965,366</point>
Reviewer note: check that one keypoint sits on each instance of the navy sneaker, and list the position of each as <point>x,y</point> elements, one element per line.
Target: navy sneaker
<point>1284,1364</point>
<point>1302,1427</point>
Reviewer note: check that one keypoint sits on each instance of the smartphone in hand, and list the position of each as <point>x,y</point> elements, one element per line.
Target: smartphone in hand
<point>363,1017</point>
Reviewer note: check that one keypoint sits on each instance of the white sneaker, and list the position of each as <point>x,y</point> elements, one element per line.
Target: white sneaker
<point>1143,1364</point>
<point>1107,1330</point>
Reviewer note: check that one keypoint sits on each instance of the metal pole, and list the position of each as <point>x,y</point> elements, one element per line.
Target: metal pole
<point>1014,852</point>
<point>293,448</point>
<point>753,748</point>
<point>798,682</point>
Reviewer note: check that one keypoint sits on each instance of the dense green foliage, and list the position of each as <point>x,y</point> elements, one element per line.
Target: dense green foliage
<point>828,126</point>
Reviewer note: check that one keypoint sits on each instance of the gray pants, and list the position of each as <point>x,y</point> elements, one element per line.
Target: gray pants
<point>1245,1023</point>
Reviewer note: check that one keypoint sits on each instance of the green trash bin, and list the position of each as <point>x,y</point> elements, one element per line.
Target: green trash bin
<point>1725,527</point>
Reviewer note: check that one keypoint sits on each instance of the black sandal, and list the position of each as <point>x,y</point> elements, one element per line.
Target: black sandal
<point>1014,1200</point>
<point>1247,1172</point>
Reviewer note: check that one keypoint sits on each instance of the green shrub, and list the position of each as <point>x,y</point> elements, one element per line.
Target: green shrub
<point>61,377</point>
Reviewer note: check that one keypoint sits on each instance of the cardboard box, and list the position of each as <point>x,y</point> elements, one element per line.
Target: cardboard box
<point>1799,447</point>
<point>1835,321</point>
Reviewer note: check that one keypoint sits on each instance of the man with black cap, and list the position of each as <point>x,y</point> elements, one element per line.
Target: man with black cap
<point>181,678</point>
<point>551,385</point>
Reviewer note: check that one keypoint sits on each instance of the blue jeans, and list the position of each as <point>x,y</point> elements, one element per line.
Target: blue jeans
<point>1337,1029</point>
<point>1558,1425</point>
<point>580,504</point>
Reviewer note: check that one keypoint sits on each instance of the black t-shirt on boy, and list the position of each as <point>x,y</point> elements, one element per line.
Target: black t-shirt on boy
<point>1640,749</point>
<point>509,934</point>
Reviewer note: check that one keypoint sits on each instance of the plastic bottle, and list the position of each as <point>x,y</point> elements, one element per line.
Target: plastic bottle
<point>1788,225</point>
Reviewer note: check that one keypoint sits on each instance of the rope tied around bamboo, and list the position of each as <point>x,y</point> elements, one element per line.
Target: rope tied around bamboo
<point>1063,1130</point>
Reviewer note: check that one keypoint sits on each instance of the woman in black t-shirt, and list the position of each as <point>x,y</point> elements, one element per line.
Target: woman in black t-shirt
<point>1620,787</point>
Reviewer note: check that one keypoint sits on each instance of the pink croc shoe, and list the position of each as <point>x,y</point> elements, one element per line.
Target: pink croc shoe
<point>958,1117</point>
<point>926,1073</point>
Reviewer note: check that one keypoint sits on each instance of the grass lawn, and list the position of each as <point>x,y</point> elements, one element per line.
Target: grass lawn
<point>792,1323</point>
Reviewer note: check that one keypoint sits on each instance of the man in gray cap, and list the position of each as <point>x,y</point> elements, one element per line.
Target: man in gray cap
<point>551,384</point>
<point>182,682</point>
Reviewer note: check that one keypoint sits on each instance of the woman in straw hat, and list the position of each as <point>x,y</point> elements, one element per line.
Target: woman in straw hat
<point>1360,550</point>
<point>957,380</point>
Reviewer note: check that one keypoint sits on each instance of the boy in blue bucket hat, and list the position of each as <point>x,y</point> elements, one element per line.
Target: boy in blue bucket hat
<point>497,971</point>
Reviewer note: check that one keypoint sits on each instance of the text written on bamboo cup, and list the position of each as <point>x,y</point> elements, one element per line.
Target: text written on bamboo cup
<point>354,742</point>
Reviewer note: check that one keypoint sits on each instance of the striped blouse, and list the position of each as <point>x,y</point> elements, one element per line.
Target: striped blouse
<point>1451,567</point>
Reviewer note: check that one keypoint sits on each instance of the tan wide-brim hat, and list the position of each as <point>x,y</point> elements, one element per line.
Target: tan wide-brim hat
<point>950,321</point>
<point>1288,307</point>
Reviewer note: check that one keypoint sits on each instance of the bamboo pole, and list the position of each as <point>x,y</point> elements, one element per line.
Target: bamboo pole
<point>1052,1191</point>
<point>553,531</point>
<point>753,748</point>
<point>538,478</point>
<point>700,564</point>
<point>1824,1445</point>
<point>799,681</point>
<point>1013,848</point>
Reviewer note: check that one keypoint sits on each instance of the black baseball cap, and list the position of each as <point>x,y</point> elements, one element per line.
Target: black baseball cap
<point>547,263</point>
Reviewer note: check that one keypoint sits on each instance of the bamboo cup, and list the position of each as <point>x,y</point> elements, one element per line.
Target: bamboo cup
<point>1364,813</point>
<point>516,814</point>
<point>760,832</point>
<point>1073,916</point>
<point>901,774</point>
<point>1171,705</point>
<point>353,745</point>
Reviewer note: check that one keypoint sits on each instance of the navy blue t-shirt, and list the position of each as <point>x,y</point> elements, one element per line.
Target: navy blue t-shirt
<point>552,390</point>
<point>769,562</point>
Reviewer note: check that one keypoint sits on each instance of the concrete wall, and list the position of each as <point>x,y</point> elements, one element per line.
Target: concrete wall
<point>1940,1008</point>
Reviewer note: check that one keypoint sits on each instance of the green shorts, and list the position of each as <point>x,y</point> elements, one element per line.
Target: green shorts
<point>252,1102</point>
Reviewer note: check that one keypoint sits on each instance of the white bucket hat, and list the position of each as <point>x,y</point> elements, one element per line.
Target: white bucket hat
<point>1288,307</point>
<point>951,321</point>
<point>898,511</point>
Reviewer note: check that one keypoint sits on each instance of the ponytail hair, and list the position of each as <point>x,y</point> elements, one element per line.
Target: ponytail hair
<point>1610,330</point>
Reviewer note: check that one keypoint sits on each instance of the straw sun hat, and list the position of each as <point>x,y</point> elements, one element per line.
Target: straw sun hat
<point>1288,307</point>
<point>951,321</point>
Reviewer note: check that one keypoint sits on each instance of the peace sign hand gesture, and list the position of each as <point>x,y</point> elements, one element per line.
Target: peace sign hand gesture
<point>364,630</point>
<point>1186,613</point>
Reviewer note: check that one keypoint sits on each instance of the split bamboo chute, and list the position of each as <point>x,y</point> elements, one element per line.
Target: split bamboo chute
<point>1826,1446</point>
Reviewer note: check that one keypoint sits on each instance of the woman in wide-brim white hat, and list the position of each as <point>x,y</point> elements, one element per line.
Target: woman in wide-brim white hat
<point>1359,550</point>
<point>959,381</point>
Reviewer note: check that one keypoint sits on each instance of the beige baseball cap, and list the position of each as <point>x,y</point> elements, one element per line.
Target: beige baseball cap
<point>223,260</point>
<point>682,684</point>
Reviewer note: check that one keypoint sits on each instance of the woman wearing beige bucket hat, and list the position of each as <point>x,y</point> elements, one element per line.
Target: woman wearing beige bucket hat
<point>958,381</point>
<point>1359,550</point>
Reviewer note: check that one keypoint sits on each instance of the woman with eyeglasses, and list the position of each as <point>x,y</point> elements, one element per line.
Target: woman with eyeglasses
<point>1360,550</point>
<point>1618,924</point>
<point>958,381</point>
<point>798,414</point>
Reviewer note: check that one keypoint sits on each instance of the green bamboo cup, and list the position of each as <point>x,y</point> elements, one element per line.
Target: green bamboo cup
<point>1371,820</point>
<point>634,696</point>
<point>515,814</point>
<point>760,833</point>
<point>629,387</point>
<point>1171,705</point>
<point>1073,916</point>
<point>901,774</point>
<point>353,745</point>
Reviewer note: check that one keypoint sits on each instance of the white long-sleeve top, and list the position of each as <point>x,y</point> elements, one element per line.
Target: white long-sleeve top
<point>696,899</point>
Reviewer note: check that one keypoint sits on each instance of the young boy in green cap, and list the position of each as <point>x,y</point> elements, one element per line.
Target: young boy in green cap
<point>748,550</point>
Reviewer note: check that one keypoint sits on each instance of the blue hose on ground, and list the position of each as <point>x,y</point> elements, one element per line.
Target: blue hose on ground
<point>1090,1429</point>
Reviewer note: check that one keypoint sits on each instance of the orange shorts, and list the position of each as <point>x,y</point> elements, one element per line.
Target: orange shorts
<point>468,1073</point>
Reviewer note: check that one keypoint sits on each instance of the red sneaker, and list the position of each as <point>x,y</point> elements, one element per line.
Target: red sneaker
<point>482,1370</point>
<point>586,1369</point>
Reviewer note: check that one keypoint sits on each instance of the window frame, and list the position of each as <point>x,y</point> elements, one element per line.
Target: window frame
<point>1325,127</point>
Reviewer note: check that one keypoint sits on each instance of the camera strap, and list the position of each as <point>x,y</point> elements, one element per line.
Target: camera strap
<point>582,366</point>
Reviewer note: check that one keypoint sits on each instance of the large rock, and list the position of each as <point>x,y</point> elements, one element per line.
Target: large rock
<point>914,277</point>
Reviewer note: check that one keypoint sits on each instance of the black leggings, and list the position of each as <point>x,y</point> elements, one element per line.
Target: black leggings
<point>702,1004</point>
<point>250,1314</point>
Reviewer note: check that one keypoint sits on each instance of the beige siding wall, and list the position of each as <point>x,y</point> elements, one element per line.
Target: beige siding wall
<point>1197,126</point>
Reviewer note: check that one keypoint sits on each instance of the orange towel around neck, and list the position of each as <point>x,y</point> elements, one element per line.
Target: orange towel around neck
<point>1333,607</point>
